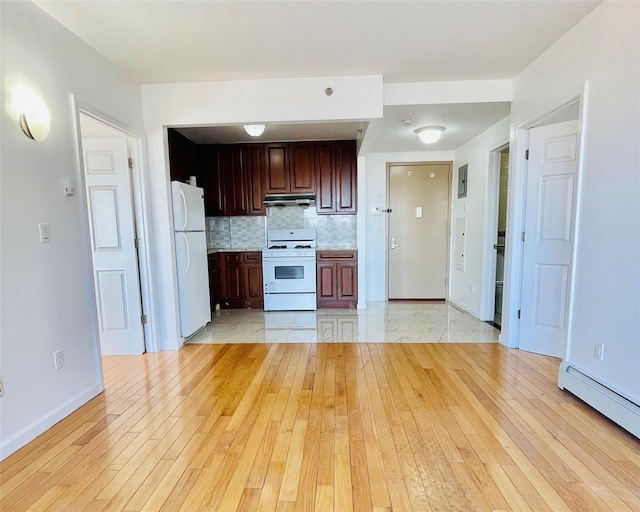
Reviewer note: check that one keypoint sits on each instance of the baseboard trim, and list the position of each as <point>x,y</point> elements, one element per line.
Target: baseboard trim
<point>614,406</point>
<point>44,423</point>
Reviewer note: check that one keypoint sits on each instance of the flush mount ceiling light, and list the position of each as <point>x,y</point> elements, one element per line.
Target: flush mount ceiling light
<point>35,120</point>
<point>255,130</point>
<point>430,134</point>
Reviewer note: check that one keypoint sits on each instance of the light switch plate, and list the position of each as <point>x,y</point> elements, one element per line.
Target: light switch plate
<point>69,186</point>
<point>58,359</point>
<point>45,236</point>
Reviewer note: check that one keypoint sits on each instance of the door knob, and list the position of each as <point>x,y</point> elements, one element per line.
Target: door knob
<point>393,242</point>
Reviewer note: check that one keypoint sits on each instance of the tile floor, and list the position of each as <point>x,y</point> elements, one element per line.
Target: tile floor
<point>380,322</point>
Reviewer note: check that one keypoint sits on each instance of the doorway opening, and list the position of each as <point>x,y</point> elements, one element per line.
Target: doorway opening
<point>418,230</point>
<point>501,180</point>
<point>112,187</point>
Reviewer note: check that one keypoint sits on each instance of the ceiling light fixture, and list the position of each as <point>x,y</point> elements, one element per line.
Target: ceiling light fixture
<point>255,130</point>
<point>430,134</point>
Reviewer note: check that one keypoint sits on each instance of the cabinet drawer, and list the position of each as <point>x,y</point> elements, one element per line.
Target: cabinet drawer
<point>231,257</point>
<point>252,257</point>
<point>337,255</point>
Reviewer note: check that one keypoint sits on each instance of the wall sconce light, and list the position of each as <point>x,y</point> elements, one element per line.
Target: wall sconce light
<point>255,130</point>
<point>430,134</point>
<point>35,120</point>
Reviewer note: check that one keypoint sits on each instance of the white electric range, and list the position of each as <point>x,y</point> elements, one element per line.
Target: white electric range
<point>289,270</point>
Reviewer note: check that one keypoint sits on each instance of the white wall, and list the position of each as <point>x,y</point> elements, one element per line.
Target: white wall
<point>45,289</point>
<point>465,287</point>
<point>219,103</point>
<point>375,225</point>
<point>603,48</point>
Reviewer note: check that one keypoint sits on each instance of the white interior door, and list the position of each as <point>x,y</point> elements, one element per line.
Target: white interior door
<point>115,260</point>
<point>549,235</point>
<point>418,222</point>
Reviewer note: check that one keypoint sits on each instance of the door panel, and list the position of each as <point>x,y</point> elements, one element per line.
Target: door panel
<point>112,299</point>
<point>114,257</point>
<point>548,246</point>
<point>103,202</point>
<point>418,222</point>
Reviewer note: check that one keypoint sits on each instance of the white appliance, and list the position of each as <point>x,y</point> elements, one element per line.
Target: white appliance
<point>289,270</point>
<point>191,257</point>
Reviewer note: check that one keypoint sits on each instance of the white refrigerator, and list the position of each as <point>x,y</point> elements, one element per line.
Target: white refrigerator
<point>191,257</point>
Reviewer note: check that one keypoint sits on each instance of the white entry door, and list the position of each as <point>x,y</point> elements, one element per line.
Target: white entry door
<point>418,222</point>
<point>113,251</point>
<point>549,235</point>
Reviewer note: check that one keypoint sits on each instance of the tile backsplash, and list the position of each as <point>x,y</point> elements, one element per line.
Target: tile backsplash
<point>251,231</point>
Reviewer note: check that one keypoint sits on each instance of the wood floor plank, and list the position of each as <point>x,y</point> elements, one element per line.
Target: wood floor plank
<point>328,427</point>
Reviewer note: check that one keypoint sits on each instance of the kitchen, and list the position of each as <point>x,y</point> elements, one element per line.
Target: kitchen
<point>280,221</point>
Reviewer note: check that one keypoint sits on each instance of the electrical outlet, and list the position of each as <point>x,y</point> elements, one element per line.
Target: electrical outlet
<point>1,387</point>
<point>58,359</point>
<point>598,350</point>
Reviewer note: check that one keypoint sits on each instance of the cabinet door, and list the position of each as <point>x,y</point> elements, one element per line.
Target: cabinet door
<point>253,288</point>
<point>346,181</point>
<point>231,286</point>
<point>211,180</point>
<point>325,178</point>
<point>234,185</point>
<point>347,282</point>
<point>302,167</point>
<point>277,169</point>
<point>182,156</point>
<point>326,282</point>
<point>238,184</point>
<point>253,167</point>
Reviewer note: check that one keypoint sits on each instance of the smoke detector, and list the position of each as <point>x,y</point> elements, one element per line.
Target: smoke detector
<point>407,122</point>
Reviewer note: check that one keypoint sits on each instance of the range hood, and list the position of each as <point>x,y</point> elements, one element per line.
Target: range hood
<point>303,200</point>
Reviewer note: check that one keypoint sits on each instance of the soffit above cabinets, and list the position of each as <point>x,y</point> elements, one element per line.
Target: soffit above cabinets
<point>275,133</point>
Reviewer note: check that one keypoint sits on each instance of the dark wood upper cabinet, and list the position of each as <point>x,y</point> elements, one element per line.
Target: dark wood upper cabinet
<point>325,178</point>
<point>236,177</point>
<point>253,166</point>
<point>211,180</point>
<point>346,177</point>
<point>290,168</point>
<point>234,182</point>
<point>183,157</point>
<point>302,167</point>
<point>277,169</point>
<point>336,181</point>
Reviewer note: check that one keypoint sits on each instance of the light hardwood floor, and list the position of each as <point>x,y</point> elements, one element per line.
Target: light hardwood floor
<point>329,427</point>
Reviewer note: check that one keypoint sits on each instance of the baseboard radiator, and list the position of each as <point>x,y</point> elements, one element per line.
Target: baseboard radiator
<point>613,405</point>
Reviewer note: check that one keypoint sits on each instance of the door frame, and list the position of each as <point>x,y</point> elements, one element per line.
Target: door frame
<point>140,204</point>
<point>489,254</point>
<point>386,221</point>
<point>516,198</point>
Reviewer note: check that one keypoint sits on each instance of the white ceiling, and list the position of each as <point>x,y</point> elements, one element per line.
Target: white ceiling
<point>404,41</point>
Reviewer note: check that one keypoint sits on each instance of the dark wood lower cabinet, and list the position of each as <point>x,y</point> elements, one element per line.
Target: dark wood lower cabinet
<point>231,289</point>
<point>252,276</point>
<point>241,280</point>
<point>337,279</point>
<point>214,280</point>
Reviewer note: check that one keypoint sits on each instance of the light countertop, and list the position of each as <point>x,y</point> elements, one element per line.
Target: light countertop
<point>213,250</point>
